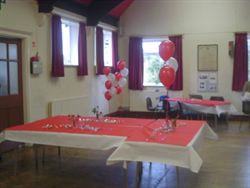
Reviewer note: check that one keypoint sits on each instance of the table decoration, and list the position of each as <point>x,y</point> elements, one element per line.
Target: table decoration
<point>74,119</point>
<point>97,112</point>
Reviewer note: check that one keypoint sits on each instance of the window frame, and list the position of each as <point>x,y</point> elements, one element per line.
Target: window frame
<point>152,39</point>
<point>73,40</point>
<point>105,27</point>
<point>111,50</point>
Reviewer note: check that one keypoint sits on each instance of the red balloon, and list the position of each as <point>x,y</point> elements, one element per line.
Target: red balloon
<point>106,70</point>
<point>118,89</point>
<point>118,76</point>
<point>107,95</point>
<point>108,84</point>
<point>121,64</point>
<point>167,76</point>
<point>166,49</point>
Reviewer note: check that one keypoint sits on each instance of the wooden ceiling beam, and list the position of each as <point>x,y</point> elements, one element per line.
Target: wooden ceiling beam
<point>98,9</point>
<point>72,6</point>
<point>45,6</point>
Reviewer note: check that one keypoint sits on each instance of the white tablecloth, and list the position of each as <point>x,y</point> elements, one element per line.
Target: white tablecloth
<point>217,109</point>
<point>181,156</point>
<point>85,141</point>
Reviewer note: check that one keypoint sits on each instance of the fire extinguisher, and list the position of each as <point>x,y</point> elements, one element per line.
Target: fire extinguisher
<point>34,58</point>
<point>35,65</point>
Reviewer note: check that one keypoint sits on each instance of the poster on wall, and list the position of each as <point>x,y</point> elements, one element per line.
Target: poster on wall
<point>207,81</point>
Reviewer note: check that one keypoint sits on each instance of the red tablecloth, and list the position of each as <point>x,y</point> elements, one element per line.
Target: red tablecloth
<point>141,130</point>
<point>104,126</point>
<point>182,135</point>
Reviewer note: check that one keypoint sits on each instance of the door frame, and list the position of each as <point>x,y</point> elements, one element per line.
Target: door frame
<point>26,38</point>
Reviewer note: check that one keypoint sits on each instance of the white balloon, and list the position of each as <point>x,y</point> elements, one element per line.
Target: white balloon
<point>124,72</point>
<point>112,91</point>
<point>172,62</point>
<point>122,82</point>
<point>111,77</point>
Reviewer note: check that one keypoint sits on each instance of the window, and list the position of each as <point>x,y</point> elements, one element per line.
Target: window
<point>152,62</point>
<point>248,46</point>
<point>70,31</point>
<point>107,48</point>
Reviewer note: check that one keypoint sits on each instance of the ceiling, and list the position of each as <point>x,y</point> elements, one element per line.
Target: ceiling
<point>108,11</point>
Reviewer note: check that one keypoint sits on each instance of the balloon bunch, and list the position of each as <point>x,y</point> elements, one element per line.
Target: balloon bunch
<point>115,81</point>
<point>168,71</point>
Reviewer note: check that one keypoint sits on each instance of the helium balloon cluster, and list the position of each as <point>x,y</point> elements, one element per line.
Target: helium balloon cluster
<point>116,81</point>
<point>168,70</point>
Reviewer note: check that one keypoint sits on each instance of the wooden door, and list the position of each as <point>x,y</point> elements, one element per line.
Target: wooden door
<point>11,94</point>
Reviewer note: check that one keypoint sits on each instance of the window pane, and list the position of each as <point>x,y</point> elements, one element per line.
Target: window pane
<point>3,78</point>
<point>107,47</point>
<point>74,30</point>
<point>13,51</point>
<point>13,73</point>
<point>152,62</point>
<point>70,31</point>
<point>3,51</point>
<point>66,43</point>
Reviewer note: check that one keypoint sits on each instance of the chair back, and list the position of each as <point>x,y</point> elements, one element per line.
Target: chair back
<point>217,98</point>
<point>246,107</point>
<point>149,104</point>
<point>195,96</point>
<point>163,97</point>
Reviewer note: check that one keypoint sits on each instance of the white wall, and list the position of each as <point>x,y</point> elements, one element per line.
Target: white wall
<point>21,19</point>
<point>200,22</point>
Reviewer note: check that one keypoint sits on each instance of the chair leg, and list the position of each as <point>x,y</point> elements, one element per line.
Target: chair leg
<point>240,125</point>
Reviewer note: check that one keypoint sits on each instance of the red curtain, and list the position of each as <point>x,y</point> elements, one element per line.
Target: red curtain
<point>135,63</point>
<point>82,51</point>
<point>114,51</point>
<point>99,51</point>
<point>240,68</point>
<point>178,83</point>
<point>57,50</point>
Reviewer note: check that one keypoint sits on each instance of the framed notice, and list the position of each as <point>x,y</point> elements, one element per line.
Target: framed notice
<point>207,57</point>
<point>207,81</point>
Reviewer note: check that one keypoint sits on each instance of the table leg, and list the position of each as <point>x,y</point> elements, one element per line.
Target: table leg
<point>16,153</point>
<point>125,172</point>
<point>43,156</point>
<point>35,149</point>
<point>216,121</point>
<point>59,154</point>
<point>138,173</point>
<point>177,176</point>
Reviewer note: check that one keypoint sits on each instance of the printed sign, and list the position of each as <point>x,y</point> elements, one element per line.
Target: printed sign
<point>207,81</point>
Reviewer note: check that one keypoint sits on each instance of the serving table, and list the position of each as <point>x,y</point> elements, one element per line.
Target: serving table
<point>205,106</point>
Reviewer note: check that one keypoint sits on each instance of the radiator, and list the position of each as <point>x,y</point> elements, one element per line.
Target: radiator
<point>76,106</point>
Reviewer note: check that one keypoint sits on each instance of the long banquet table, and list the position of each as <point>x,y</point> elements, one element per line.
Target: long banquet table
<point>135,139</point>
